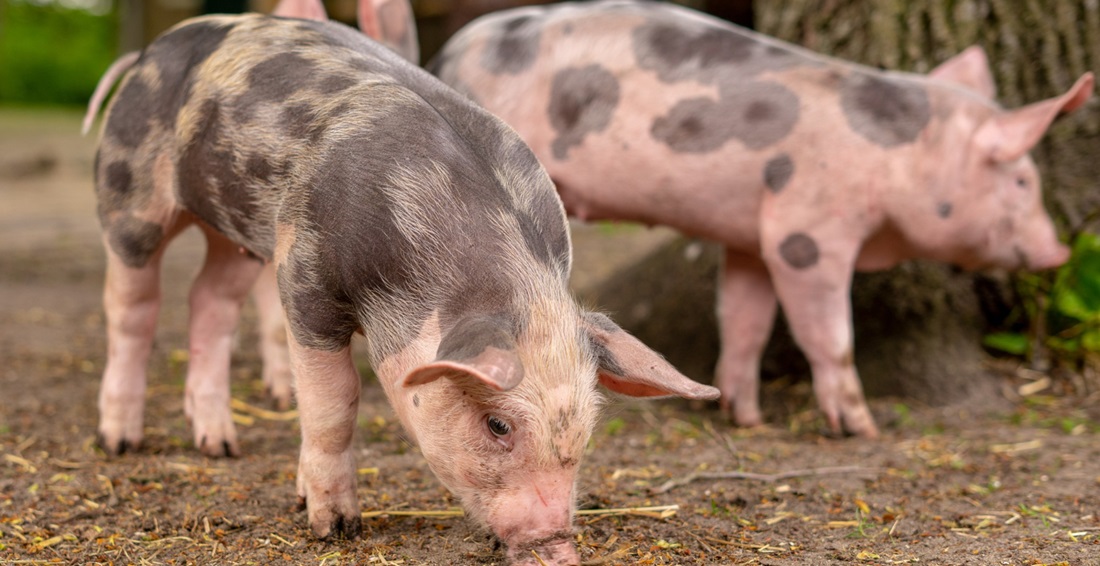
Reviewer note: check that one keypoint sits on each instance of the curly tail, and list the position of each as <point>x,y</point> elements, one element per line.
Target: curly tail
<point>120,66</point>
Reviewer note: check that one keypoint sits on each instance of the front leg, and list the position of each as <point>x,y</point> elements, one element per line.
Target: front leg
<point>812,272</point>
<point>327,386</point>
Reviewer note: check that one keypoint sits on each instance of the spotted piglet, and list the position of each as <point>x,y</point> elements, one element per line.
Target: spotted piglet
<point>804,167</point>
<point>388,205</point>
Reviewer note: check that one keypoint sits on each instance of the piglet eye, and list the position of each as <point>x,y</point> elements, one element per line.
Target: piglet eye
<point>498,426</point>
<point>1021,182</point>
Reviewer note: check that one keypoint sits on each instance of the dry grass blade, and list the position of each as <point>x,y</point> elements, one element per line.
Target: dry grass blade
<point>238,405</point>
<point>771,478</point>
<point>444,514</point>
<point>658,512</point>
<point>539,558</point>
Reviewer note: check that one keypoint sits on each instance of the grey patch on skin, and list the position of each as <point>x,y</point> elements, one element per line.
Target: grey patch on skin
<point>416,400</point>
<point>602,322</point>
<point>943,209</point>
<point>605,360</point>
<point>582,101</point>
<point>130,127</point>
<point>759,114</point>
<point>778,172</point>
<point>689,50</point>
<point>210,187</point>
<point>119,178</point>
<point>273,80</point>
<point>799,251</point>
<point>514,48</point>
<point>177,55</point>
<point>134,240</point>
<point>472,335</point>
<point>886,112</point>
<point>333,84</point>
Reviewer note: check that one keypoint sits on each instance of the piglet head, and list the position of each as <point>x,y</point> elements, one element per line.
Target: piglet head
<point>505,411</point>
<point>998,220</point>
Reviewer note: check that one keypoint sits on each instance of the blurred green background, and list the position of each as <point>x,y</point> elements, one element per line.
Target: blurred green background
<point>53,52</point>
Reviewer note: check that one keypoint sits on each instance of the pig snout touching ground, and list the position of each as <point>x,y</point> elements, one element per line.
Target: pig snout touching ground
<point>804,167</point>
<point>379,202</point>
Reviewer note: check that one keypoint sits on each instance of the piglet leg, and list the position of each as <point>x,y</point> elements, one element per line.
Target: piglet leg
<point>217,295</point>
<point>746,311</point>
<point>327,386</point>
<point>273,346</point>
<point>814,287</point>
<point>131,300</point>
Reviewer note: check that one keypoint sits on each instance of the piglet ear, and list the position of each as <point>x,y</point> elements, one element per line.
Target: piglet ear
<point>481,347</point>
<point>499,369</point>
<point>304,9</point>
<point>1008,136</point>
<point>629,367</point>
<point>391,23</point>
<point>969,69</point>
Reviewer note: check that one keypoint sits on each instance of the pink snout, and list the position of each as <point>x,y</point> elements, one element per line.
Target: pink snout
<point>1050,257</point>
<point>558,553</point>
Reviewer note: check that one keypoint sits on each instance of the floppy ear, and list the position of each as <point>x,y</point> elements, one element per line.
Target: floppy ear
<point>969,69</point>
<point>1008,136</point>
<point>304,9</point>
<point>481,347</point>
<point>391,23</point>
<point>629,367</point>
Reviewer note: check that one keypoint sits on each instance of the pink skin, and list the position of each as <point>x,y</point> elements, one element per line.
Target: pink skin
<point>873,206</point>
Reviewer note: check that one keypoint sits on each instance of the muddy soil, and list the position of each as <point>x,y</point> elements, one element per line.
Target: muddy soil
<point>1013,481</point>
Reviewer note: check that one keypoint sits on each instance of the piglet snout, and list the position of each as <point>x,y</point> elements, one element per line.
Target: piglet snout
<point>558,552</point>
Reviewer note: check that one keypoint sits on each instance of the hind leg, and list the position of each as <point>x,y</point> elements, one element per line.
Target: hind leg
<point>217,295</point>
<point>131,302</point>
<point>273,339</point>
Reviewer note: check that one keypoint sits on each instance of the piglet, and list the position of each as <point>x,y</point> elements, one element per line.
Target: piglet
<point>388,205</point>
<point>804,167</point>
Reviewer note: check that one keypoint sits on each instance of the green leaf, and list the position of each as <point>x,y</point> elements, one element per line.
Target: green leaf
<point>1009,342</point>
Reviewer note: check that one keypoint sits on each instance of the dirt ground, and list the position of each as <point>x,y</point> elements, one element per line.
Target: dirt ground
<point>1014,481</point>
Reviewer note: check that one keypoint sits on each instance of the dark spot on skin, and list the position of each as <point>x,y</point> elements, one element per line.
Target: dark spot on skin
<point>209,185</point>
<point>136,103</point>
<point>333,84</point>
<point>601,322</point>
<point>258,167</point>
<point>134,240</point>
<point>177,55</point>
<point>119,178</point>
<point>778,171</point>
<point>416,400</point>
<point>514,48</point>
<point>605,360</point>
<point>582,100</point>
<point>759,115</point>
<point>679,49</point>
<point>471,335</point>
<point>886,112</point>
<point>674,46</point>
<point>274,80</point>
<point>799,251</point>
<point>943,209</point>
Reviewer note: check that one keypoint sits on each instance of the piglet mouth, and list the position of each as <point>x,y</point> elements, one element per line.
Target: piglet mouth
<point>552,550</point>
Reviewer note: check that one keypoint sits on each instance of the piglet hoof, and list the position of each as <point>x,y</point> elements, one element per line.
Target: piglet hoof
<point>332,524</point>
<point>747,415</point>
<point>218,448</point>
<point>280,395</point>
<point>115,446</point>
